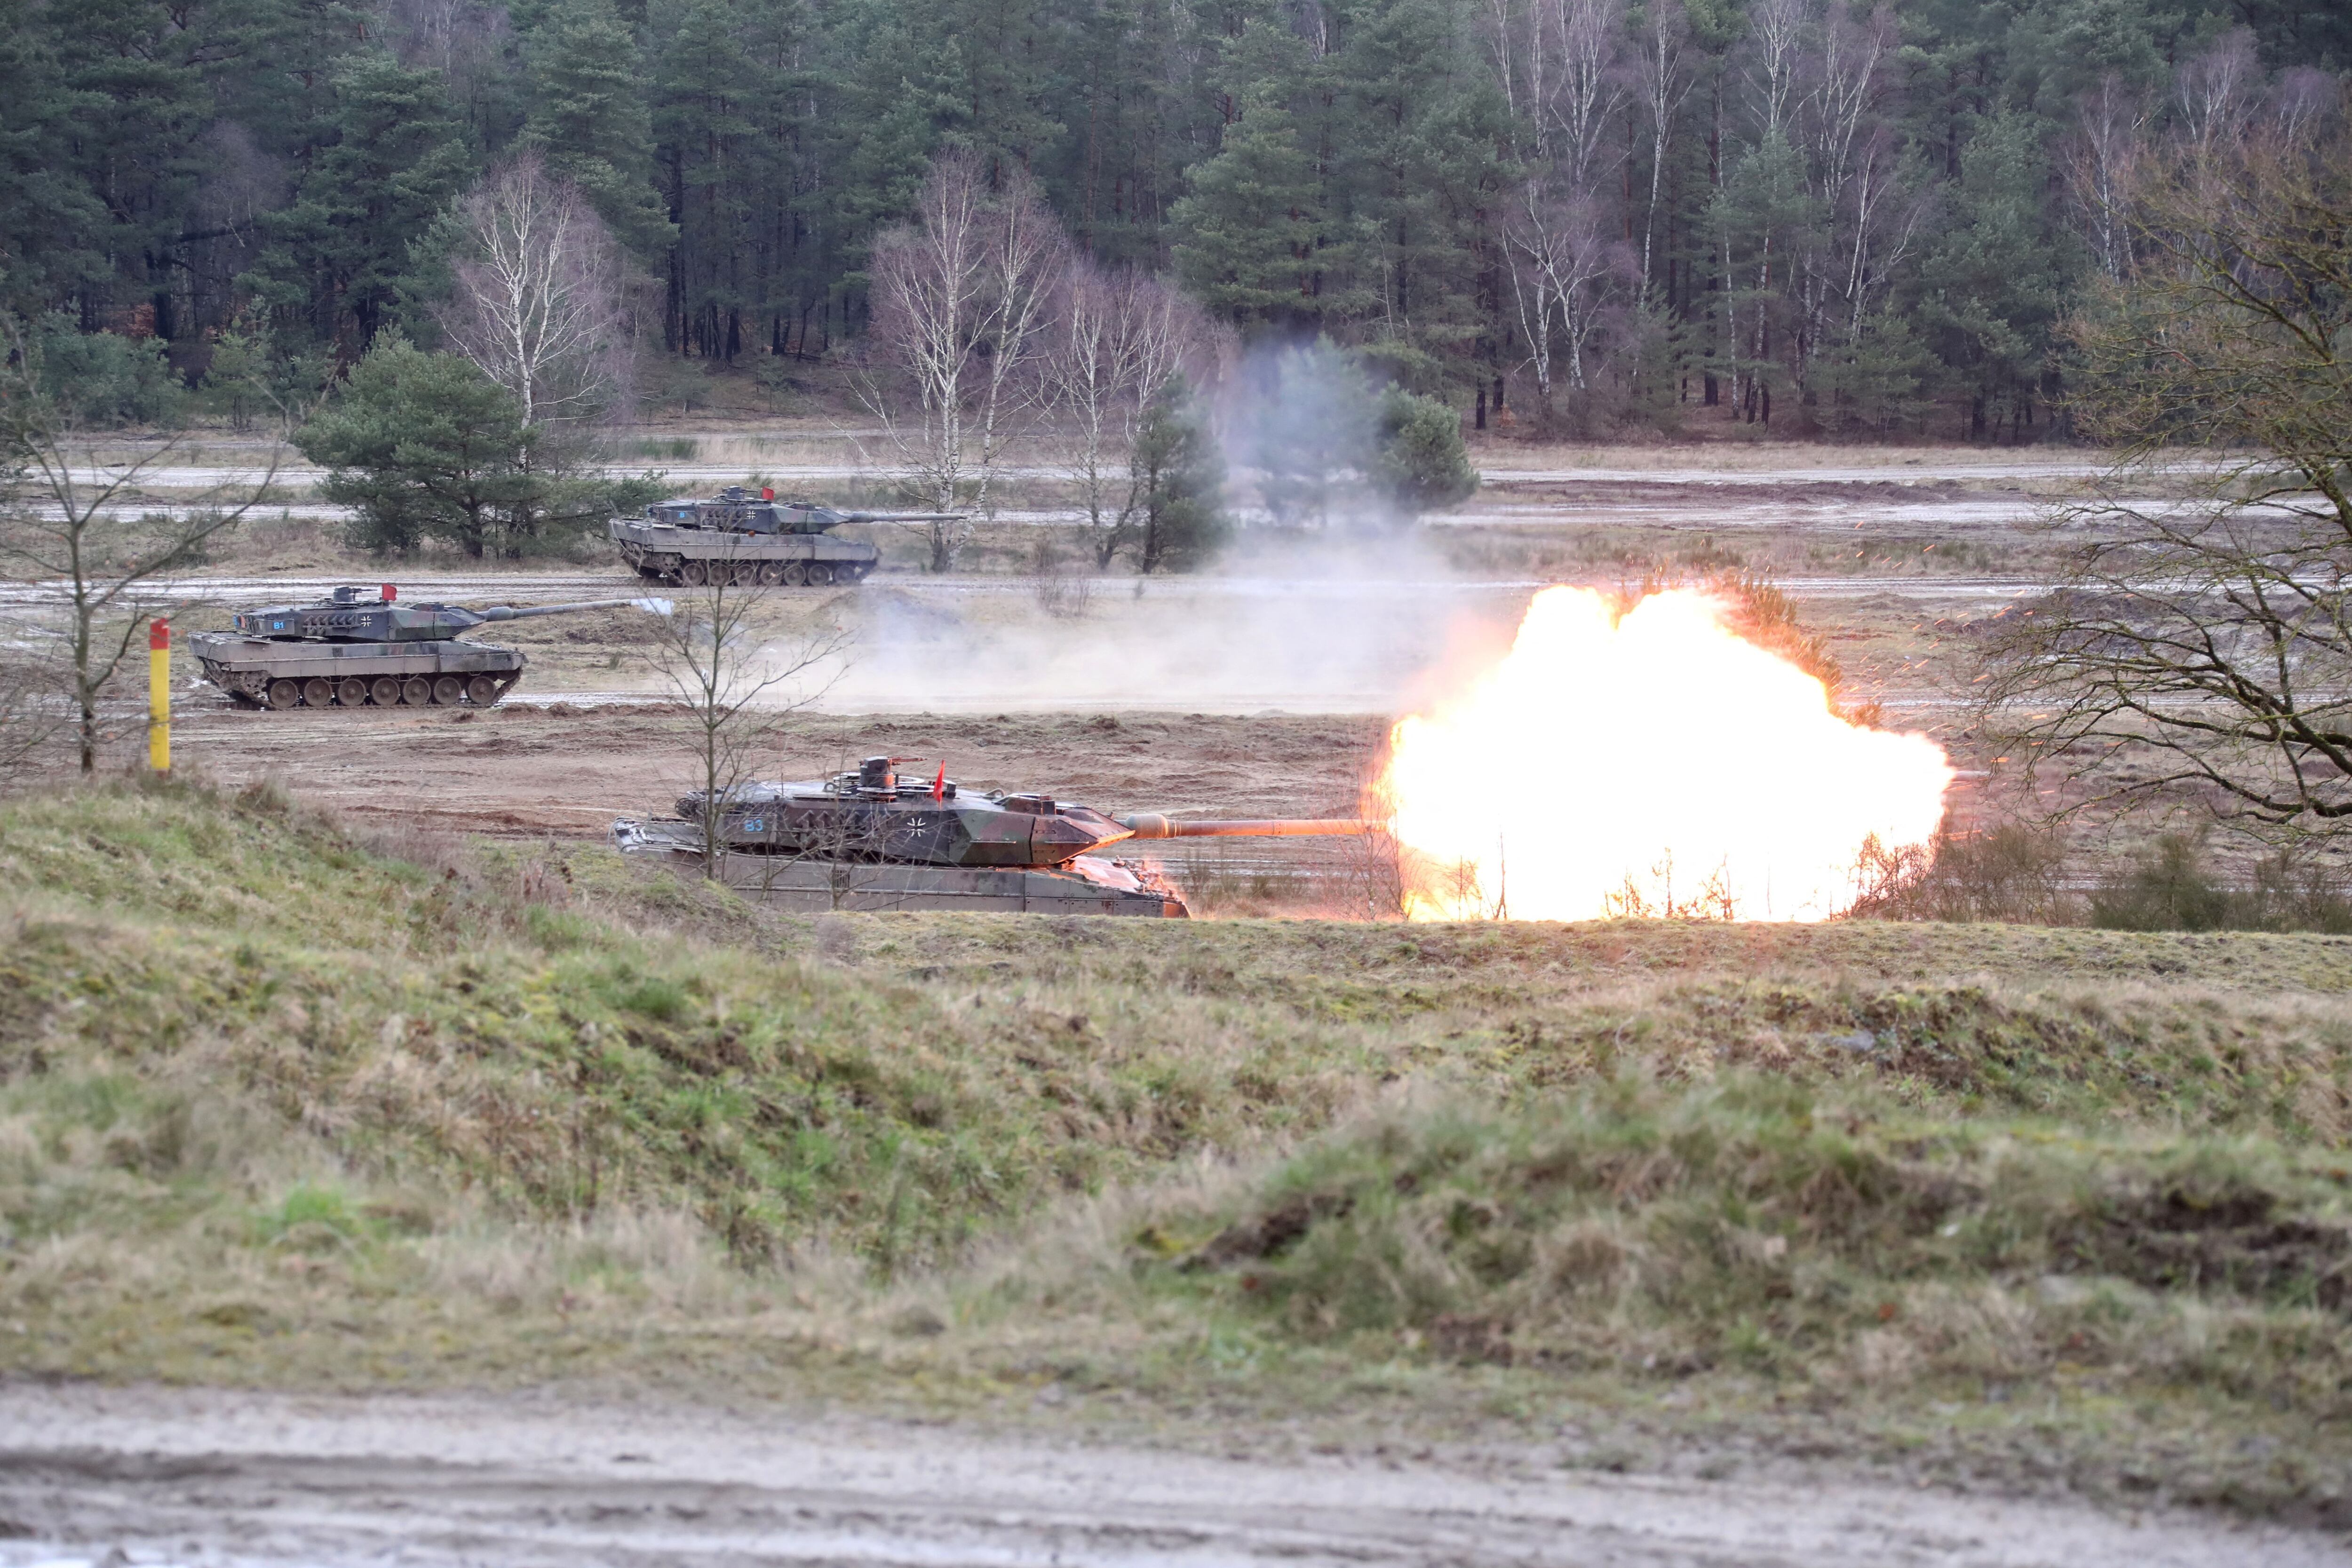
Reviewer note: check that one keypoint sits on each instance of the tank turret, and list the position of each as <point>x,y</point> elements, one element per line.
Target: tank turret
<point>351,615</point>
<point>854,826</point>
<point>736,510</point>
<point>354,649</point>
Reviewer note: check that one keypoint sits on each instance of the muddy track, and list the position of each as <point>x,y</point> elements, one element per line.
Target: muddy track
<point>214,1477</point>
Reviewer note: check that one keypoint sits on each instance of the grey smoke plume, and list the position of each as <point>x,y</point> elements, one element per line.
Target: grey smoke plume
<point>1325,603</point>
<point>1297,425</point>
<point>1337,627</point>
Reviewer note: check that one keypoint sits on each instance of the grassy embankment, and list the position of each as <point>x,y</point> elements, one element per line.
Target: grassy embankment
<point>278,1107</point>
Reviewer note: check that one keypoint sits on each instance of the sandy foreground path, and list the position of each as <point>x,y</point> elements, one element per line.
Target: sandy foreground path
<point>151,1475</point>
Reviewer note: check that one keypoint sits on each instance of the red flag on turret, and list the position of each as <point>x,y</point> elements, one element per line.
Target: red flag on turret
<point>939,784</point>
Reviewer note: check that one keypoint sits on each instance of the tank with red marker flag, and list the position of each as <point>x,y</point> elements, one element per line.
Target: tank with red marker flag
<point>350,651</point>
<point>864,840</point>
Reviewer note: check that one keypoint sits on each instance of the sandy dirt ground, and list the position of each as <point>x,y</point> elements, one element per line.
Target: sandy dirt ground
<point>1881,548</point>
<point>565,772</point>
<point>93,1477</point>
<point>1242,695</point>
<point>525,771</point>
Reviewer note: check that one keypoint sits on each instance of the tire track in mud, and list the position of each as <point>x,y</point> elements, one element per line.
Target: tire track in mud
<point>222,1478</point>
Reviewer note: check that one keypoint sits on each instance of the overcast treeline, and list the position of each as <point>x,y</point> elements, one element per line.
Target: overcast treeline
<point>1595,213</point>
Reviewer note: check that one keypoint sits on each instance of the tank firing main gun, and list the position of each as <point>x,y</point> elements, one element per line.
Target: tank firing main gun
<point>899,816</point>
<point>876,838</point>
<point>1147,825</point>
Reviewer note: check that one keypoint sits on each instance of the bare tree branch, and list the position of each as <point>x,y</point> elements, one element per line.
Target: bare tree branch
<point>1563,63</point>
<point>2213,635</point>
<point>69,523</point>
<point>959,303</point>
<point>738,686</point>
<point>1120,337</point>
<point>542,299</point>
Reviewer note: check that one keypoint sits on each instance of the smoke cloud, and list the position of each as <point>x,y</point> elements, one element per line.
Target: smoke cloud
<point>1317,627</point>
<point>1327,602</point>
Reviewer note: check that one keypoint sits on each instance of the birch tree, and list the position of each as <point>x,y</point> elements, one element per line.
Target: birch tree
<point>541,302</point>
<point>1120,337</point>
<point>1559,64</point>
<point>1861,233</point>
<point>1775,31</point>
<point>2215,93</point>
<point>2098,159</point>
<point>959,304</point>
<point>1662,84</point>
<point>1561,259</point>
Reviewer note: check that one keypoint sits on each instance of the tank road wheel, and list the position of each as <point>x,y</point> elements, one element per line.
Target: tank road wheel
<point>352,692</point>
<point>795,574</point>
<point>693,575</point>
<point>318,692</point>
<point>285,694</point>
<point>385,690</point>
<point>416,691</point>
<point>771,574</point>
<point>819,574</point>
<point>744,575</point>
<point>448,691</point>
<point>481,692</point>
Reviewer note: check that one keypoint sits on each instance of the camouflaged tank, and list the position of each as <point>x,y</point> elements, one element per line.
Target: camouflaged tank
<point>358,651</point>
<point>872,840</point>
<point>740,538</point>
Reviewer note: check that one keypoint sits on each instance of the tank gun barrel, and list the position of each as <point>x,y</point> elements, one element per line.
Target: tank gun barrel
<point>1147,824</point>
<point>904,516</point>
<point>523,612</point>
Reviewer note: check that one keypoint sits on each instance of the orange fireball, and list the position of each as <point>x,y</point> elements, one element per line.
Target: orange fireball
<point>1648,762</point>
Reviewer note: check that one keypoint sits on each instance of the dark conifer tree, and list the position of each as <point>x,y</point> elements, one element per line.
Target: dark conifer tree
<point>51,223</point>
<point>588,119</point>
<point>339,254</point>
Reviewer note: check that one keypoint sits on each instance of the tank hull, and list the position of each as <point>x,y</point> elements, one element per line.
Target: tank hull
<point>249,669</point>
<point>670,554</point>
<point>1087,885</point>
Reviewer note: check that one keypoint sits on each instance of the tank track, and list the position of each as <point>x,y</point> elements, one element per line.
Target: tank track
<point>757,573</point>
<point>254,689</point>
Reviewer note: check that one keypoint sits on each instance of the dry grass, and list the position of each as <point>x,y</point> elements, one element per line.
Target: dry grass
<point>279,1106</point>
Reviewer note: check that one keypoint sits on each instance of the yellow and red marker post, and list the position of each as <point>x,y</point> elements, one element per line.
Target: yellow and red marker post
<point>159,695</point>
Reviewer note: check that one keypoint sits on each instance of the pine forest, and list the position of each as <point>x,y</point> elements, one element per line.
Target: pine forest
<point>1592,215</point>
